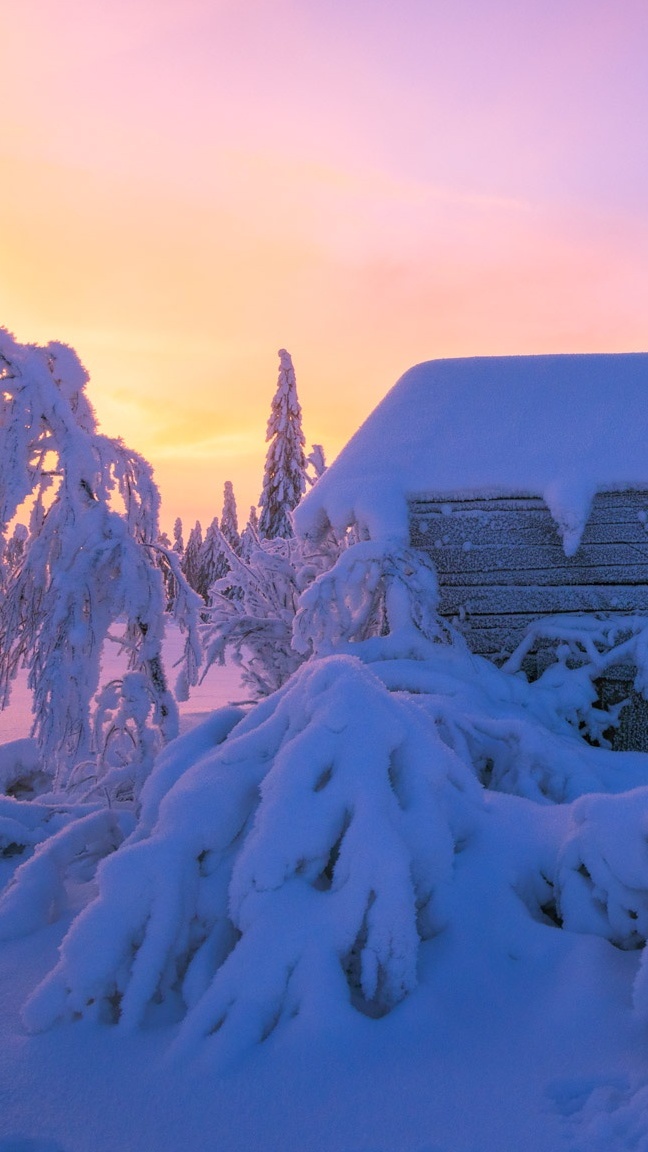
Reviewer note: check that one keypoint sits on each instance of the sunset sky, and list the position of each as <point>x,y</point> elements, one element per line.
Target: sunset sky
<point>189,185</point>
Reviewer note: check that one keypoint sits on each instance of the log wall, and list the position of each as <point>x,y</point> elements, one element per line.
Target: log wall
<point>501,563</point>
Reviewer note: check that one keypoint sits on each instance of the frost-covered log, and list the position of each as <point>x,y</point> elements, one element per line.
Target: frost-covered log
<point>91,560</point>
<point>299,864</point>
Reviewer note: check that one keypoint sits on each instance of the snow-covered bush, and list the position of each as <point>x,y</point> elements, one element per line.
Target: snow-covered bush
<point>90,561</point>
<point>297,865</point>
<point>371,591</point>
<point>601,881</point>
<point>253,607</point>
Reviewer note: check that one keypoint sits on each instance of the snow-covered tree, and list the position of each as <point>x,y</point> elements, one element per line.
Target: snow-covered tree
<point>374,592</point>
<point>251,615</point>
<point>297,867</point>
<point>284,479</point>
<point>229,518</point>
<point>191,559</point>
<point>178,542</point>
<point>250,538</point>
<point>212,562</point>
<point>14,552</point>
<point>90,560</point>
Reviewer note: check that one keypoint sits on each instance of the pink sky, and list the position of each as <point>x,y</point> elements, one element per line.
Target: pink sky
<point>188,185</point>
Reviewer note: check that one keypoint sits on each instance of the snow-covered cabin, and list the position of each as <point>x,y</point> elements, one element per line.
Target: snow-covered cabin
<point>525,478</point>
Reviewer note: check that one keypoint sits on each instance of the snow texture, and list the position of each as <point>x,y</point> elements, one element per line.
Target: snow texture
<point>558,427</point>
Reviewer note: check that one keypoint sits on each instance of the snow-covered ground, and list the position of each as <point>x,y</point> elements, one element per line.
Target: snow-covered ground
<point>517,1035</point>
<point>502,1048</point>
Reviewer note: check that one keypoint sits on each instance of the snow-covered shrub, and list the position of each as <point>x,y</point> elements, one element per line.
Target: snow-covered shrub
<point>372,590</point>
<point>601,878</point>
<point>90,560</point>
<point>585,647</point>
<point>22,771</point>
<point>253,607</point>
<point>517,737</point>
<point>299,864</point>
<point>126,742</point>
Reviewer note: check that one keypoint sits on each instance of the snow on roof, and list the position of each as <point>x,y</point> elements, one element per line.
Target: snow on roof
<point>559,427</point>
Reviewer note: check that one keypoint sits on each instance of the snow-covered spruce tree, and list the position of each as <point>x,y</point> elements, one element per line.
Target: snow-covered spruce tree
<point>295,868</point>
<point>89,561</point>
<point>250,538</point>
<point>212,560</point>
<point>178,542</point>
<point>229,518</point>
<point>190,562</point>
<point>284,480</point>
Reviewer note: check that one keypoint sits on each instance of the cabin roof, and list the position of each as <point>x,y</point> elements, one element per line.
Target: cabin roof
<point>559,427</point>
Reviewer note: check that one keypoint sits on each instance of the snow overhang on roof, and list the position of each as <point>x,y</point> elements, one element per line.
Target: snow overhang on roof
<point>560,427</point>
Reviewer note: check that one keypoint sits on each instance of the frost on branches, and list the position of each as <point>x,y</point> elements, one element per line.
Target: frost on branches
<point>252,609</point>
<point>90,562</point>
<point>284,479</point>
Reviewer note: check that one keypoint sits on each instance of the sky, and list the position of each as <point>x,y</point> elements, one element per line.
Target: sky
<point>189,185</point>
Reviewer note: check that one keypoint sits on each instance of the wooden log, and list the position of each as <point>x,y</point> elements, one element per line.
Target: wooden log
<point>549,577</point>
<point>606,507</point>
<point>543,601</point>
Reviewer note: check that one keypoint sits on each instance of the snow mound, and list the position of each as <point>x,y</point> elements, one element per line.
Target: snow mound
<point>559,427</point>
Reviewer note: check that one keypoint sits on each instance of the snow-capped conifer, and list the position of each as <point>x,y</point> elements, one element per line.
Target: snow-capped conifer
<point>178,542</point>
<point>212,561</point>
<point>229,518</point>
<point>250,539</point>
<point>191,558</point>
<point>284,479</point>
